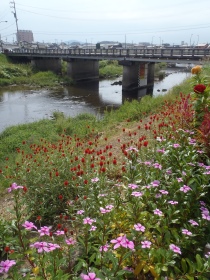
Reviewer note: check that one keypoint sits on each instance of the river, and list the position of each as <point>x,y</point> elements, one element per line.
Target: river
<point>19,106</point>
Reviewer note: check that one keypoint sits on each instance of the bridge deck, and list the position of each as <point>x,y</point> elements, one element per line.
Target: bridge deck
<point>184,55</point>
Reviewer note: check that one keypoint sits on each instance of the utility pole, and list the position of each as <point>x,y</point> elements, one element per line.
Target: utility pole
<point>16,20</point>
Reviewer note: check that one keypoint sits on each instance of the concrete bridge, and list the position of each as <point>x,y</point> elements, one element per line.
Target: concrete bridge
<point>83,64</point>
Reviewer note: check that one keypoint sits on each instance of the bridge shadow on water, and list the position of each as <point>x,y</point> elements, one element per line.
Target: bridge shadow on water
<point>104,94</point>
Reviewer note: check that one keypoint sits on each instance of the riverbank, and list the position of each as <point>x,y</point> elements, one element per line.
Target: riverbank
<point>117,198</point>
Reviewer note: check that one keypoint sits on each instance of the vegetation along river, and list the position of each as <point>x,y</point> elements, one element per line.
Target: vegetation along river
<point>19,106</point>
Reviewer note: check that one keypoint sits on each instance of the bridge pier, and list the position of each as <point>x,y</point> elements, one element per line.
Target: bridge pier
<point>137,75</point>
<point>83,69</point>
<point>47,64</point>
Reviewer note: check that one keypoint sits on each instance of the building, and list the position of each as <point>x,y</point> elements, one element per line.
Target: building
<point>25,36</point>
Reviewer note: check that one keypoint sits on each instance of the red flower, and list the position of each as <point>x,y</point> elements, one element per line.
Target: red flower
<point>66,183</point>
<point>6,249</point>
<point>199,88</point>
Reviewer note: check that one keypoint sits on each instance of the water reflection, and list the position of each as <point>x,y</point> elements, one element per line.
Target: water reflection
<point>24,106</point>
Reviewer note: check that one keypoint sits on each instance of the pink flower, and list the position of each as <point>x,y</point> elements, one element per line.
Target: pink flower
<point>173,202</point>
<point>185,189</point>
<point>146,244</point>
<point>70,241</point>
<point>163,191</point>
<point>139,227</point>
<point>157,165</point>
<point>59,232</point>
<point>175,249</point>
<point>5,265</point>
<point>88,221</point>
<point>44,231</point>
<point>93,228</point>
<point>29,225</point>
<point>94,180</point>
<point>89,276</point>
<point>44,246</point>
<point>179,179</point>
<point>194,223</point>
<point>14,186</point>
<point>122,241</point>
<point>137,194</point>
<point>155,183</point>
<point>186,232</point>
<point>80,212</point>
<point>104,248</point>
<point>176,145</point>
<point>133,186</point>
<point>158,212</point>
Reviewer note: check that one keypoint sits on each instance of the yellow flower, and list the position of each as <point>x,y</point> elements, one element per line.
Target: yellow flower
<point>196,69</point>
<point>35,270</point>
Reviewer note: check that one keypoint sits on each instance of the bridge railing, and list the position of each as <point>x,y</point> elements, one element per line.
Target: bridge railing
<point>142,53</point>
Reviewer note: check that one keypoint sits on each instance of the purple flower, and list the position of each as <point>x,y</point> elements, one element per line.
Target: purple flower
<point>133,186</point>
<point>94,180</point>
<point>139,227</point>
<point>194,223</point>
<point>88,221</point>
<point>70,241</point>
<point>157,165</point>
<point>5,265</point>
<point>29,225</point>
<point>179,180</point>
<point>14,186</point>
<point>93,228</point>
<point>186,232</point>
<point>122,241</point>
<point>59,232</point>
<point>173,202</point>
<point>44,231</point>
<point>104,248</point>
<point>137,194</point>
<point>44,246</point>
<point>89,276</point>
<point>155,183</point>
<point>158,212</point>
<point>146,244</point>
<point>163,191</point>
<point>176,145</point>
<point>80,212</point>
<point>185,189</point>
<point>175,249</point>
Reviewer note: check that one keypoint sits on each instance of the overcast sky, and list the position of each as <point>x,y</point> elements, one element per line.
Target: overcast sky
<point>131,21</point>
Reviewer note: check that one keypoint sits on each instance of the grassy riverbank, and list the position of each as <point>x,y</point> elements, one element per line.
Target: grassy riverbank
<point>16,137</point>
<point>125,197</point>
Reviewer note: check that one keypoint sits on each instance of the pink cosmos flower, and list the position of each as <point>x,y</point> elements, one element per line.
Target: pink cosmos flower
<point>139,227</point>
<point>146,244</point>
<point>14,186</point>
<point>89,276</point>
<point>175,249</point>
<point>29,225</point>
<point>5,265</point>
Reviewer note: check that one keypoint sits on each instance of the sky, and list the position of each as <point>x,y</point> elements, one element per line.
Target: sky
<point>93,21</point>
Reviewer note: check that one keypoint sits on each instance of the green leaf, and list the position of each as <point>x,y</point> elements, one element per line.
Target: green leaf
<point>199,262</point>
<point>184,265</point>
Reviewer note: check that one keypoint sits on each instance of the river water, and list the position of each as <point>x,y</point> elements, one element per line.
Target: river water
<point>19,106</point>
